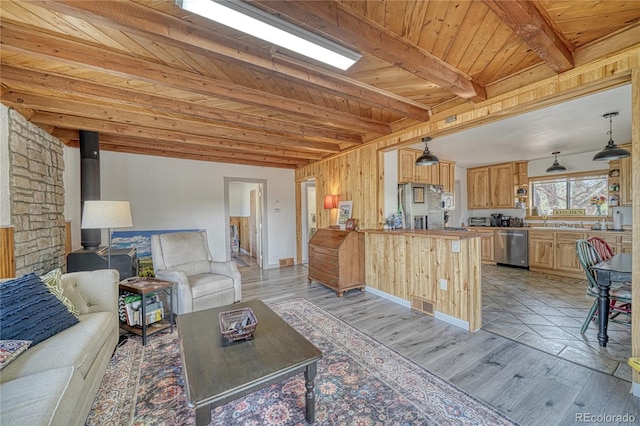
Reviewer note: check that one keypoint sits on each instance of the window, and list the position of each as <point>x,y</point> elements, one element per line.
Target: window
<point>571,192</point>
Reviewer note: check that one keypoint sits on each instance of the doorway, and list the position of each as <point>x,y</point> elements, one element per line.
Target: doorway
<point>308,213</point>
<point>246,230</point>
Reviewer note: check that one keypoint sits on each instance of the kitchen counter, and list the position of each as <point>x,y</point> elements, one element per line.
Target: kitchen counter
<point>433,233</point>
<point>492,228</point>
<point>566,228</point>
<point>433,271</point>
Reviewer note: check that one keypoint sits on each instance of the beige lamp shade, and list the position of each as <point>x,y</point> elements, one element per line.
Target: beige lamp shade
<point>100,214</point>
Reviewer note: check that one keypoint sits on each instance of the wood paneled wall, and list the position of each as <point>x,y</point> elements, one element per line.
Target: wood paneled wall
<point>357,174</point>
<point>405,265</point>
<point>7,253</point>
<point>242,222</point>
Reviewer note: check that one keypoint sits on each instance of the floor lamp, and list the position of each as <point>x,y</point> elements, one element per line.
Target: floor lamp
<point>100,214</point>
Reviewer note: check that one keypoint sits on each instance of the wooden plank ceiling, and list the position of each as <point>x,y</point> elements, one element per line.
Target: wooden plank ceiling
<point>153,79</point>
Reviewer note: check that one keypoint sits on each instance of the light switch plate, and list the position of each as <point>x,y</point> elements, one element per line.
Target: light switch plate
<point>443,284</point>
<point>455,246</point>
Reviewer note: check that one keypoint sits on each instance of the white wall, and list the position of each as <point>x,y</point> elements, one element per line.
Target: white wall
<point>390,183</point>
<point>574,163</point>
<point>240,198</point>
<point>169,193</point>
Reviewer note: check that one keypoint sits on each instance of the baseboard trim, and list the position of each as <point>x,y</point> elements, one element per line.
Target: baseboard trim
<point>452,320</point>
<point>388,296</point>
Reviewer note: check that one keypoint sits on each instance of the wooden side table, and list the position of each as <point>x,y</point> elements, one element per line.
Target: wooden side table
<point>145,286</point>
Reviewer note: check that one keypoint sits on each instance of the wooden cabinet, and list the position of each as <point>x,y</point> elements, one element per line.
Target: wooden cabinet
<point>442,173</point>
<point>447,175</point>
<point>487,246</point>
<point>407,166</point>
<point>625,179</point>
<point>619,181</point>
<point>478,190</point>
<point>409,172</point>
<point>336,259</point>
<point>541,251</point>
<point>625,243</point>
<point>565,252</point>
<point>554,251</point>
<point>502,186</point>
<point>494,187</point>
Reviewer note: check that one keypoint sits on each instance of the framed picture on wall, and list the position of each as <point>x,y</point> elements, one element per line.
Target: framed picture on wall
<point>418,194</point>
<point>344,212</point>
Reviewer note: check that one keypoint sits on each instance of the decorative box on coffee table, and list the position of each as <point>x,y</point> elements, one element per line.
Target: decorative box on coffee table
<point>336,259</point>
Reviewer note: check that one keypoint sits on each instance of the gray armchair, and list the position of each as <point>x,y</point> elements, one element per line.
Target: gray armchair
<point>201,283</point>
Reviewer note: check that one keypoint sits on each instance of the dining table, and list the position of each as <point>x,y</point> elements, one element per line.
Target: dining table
<point>616,269</point>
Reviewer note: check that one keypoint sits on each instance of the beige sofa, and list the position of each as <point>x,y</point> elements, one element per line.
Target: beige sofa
<point>56,381</point>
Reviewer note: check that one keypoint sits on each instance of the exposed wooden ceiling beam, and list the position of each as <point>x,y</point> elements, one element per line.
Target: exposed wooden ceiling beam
<point>17,39</point>
<point>150,118</point>
<point>71,138</point>
<point>101,93</point>
<point>198,157</point>
<point>149,23</point>
<point>531,26</point>
<point>342,23</point>
<point>121,144</point>
<point>108,127</point>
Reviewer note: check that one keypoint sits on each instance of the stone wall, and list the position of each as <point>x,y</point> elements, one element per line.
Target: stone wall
<point>36,195</point>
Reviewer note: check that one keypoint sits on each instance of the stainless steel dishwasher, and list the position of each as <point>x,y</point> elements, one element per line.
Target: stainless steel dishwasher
<point>512,247</point>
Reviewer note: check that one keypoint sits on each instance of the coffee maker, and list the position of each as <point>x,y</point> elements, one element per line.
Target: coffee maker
<point>496,219</point>
<point>505,221</point>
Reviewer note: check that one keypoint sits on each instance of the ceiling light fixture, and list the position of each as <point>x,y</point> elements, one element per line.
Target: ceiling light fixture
<point>556,167</point>
<point>260,24</point>
<point>611,151</point>
<point>427,158</point>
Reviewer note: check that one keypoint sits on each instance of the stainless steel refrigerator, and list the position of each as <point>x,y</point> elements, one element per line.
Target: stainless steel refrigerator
<point>422,205</point>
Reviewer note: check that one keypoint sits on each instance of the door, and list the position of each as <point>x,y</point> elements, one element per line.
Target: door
<point>251,195</point>
<point>255,224</point>
<point>308,217</point>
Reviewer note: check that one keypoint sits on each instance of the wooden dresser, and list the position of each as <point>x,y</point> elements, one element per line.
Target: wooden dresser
<point>336,259</point>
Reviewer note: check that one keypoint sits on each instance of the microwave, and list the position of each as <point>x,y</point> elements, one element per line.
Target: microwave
<point>479,221</point>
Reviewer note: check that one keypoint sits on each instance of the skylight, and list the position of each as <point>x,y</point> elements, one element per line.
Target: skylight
<point>255,22</point>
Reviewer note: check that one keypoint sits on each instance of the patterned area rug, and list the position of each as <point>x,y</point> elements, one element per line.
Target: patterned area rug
<point>359,382</point>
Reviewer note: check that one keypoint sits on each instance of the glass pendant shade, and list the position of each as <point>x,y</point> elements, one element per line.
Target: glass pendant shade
<point>611,151</point>
<point>556,167</point>
<point>427,158</point>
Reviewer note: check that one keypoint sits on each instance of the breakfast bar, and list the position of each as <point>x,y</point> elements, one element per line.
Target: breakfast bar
<point>433,271</point>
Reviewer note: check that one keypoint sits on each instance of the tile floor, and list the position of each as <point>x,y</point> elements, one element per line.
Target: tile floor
<point>546,312</point>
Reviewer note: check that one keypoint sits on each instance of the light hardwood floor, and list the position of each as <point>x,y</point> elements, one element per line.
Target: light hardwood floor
<point>528,385</point>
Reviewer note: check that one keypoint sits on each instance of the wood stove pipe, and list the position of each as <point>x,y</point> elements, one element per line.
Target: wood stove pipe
<point>89,182</point>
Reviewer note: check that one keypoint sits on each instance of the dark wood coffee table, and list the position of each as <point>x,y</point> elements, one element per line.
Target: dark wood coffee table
<point>217,372</point>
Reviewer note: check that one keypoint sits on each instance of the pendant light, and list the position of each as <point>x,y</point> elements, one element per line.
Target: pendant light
<point>556,167</point>
<point>611,151</point>
<point>427,158</point>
